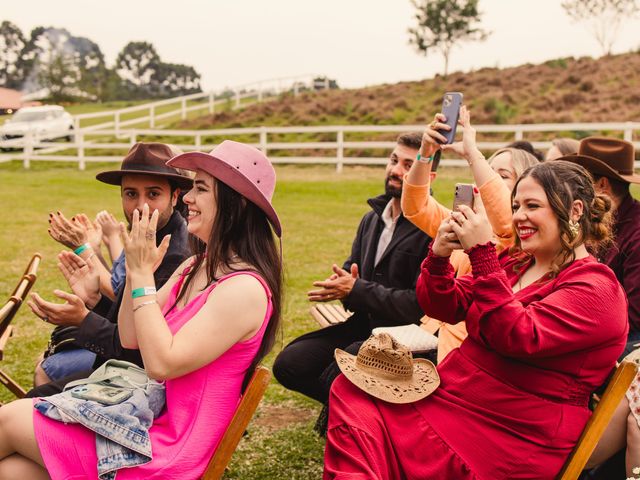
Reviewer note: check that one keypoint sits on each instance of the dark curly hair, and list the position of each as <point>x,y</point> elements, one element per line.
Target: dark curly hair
<point>563,183</point>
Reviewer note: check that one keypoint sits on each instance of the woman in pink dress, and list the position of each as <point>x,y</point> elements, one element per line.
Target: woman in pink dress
<point>203,332</point>
<point>546,325</point>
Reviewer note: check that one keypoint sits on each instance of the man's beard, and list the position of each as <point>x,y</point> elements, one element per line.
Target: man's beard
<point>392,191</point>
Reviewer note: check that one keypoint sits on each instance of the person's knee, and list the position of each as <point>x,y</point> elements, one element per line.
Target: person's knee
<point>40,377</point>
<point>285,367</point>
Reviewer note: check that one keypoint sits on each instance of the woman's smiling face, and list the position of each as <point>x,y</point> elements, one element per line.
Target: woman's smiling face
<point>201,202</point>
<point>534,221</point>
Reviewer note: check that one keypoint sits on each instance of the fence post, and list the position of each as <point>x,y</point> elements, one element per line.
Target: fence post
<point>27,150</point>
<point>628,132</point>
<point>116,121</point>
<point>212,103</point>
<point>518,135</point>
<point>133,137</point>
<point>152,116</point>
<point>80,147</point>
<point>340,151</point>
<point>237,99</point>
<point>198,141</point>
<point>263,139</point>
<point>183,109</point>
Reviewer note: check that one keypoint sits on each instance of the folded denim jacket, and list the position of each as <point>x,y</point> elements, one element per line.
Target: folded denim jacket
<point>122,430</point>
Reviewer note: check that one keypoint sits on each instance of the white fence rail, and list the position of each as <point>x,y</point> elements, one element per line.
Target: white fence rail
<point>111,145</point>
<point>150,115</point>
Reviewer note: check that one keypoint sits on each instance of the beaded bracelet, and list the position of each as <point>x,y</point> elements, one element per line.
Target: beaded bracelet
<point>143,292</point>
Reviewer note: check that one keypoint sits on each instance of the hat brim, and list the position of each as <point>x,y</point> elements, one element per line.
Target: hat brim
<point>230,176</point>
<point>114,177</point>
<point>599,168</point>
<point>423,383</point>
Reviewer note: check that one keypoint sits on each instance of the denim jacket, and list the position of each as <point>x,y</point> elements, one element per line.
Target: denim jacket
<point>122,430</point>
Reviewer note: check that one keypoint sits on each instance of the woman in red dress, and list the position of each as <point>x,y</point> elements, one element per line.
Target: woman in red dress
<point>546,325</point>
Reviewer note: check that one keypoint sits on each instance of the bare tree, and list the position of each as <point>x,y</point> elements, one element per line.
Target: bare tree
<point>445,23</point>
<point>605,17</point>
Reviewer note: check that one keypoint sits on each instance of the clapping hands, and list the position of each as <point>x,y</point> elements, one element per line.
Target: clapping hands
<point>337,286</point>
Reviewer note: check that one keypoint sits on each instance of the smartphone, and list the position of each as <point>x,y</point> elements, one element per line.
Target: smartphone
<point>101,393</point>
<point>463,196</point>
<point>451,103</point>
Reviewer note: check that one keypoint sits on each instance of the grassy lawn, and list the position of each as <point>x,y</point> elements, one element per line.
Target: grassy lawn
<point>320,211</point>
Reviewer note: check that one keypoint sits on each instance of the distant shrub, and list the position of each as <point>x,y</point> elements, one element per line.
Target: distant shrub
<point>499,111</point>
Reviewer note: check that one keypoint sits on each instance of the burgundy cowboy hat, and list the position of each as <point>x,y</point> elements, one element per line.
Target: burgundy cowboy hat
<point>243,168</point>
<point>606,157</point>
<point>148,159</point>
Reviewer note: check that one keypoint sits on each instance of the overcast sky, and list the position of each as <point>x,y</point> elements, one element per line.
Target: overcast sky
<point>357,42</point>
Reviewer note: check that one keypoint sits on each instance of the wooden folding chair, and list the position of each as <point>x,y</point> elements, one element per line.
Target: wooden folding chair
<point>8,312</point>
<point>613,395</point>
<point>241,418</point>
<point>329,314</point>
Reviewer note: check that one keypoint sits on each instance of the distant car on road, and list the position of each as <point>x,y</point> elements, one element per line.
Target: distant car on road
<point>47,122</point>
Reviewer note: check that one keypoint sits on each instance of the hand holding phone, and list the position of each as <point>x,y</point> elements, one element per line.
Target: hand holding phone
<point>451,103</point>
<point>463,196</point>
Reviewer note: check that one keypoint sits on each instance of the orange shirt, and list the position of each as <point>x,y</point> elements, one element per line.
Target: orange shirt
<point>427,214</point>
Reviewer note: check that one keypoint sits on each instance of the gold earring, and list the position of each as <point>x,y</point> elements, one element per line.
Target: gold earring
<point>574,228</point>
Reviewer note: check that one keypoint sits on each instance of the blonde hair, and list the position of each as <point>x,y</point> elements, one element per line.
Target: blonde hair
<point>566,146</point>
<point>520,159</point>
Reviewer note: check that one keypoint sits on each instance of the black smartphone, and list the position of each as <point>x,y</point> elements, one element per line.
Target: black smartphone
<point>463,196</point>
<point>451,103</point>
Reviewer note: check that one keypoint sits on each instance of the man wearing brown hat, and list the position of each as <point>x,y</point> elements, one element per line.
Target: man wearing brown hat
<point>143,178</point>
<point>611,162</point>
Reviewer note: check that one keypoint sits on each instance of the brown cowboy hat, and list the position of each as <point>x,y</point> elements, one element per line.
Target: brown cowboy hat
<point>148,159</point>
<point>606,157</point>
<point>385,369</point>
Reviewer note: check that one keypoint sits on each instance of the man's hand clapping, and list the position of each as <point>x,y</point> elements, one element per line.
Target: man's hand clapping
<point>336,287</point>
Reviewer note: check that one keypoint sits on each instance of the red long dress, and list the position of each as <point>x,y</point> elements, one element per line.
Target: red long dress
<point>512,400</point>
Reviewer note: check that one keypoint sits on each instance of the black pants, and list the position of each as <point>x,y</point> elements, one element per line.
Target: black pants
<point>56,386</point>
<point>307,365</point>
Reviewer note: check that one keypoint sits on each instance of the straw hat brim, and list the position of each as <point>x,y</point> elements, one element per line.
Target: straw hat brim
<point>424,381</point>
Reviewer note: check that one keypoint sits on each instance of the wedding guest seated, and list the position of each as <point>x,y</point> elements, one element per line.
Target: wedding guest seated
<point>495,179</point>
<point>190,332</point>
<point>546,324</point>
<point>87,333</point>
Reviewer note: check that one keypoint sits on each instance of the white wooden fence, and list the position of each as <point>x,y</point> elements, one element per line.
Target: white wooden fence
<point>151,115</point>
<point>111,145</point>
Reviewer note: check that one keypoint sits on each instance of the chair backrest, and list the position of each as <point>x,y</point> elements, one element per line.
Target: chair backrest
<point>611,398</point>
<point>241,418</point>
<point>327,314</point>
<point>20,293</point>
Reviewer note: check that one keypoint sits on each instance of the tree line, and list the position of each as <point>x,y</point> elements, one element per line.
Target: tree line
<point>69,68</point>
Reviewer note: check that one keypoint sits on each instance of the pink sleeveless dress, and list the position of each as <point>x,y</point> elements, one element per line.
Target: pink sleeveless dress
<point>198,409</point>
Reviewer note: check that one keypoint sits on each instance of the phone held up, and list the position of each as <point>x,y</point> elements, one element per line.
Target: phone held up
<point>451,103</point>
<point>463,196</point>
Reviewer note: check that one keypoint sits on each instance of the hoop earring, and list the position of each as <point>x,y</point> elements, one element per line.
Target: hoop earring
<point>574,228</point>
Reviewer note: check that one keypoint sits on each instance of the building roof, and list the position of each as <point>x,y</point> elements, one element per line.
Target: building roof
<point>10,98</point>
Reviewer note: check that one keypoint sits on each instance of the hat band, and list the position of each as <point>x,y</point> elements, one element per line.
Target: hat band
<point>384,368</point>
<point>149,168</point>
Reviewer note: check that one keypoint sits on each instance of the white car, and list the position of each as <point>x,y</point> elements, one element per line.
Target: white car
<point>47,122</point>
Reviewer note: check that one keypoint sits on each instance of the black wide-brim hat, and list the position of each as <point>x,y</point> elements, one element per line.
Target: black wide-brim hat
<point>148,159</point>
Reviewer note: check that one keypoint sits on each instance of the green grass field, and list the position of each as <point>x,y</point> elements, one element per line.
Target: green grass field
<point>320,211</point>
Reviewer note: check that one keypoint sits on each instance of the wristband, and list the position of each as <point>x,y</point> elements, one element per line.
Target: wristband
<point>143,292</point>
<point>150,302</point>
<point>81,248</point>
<point>420,158</point>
